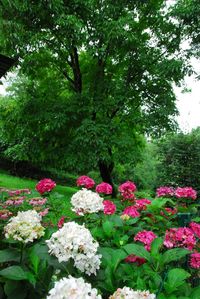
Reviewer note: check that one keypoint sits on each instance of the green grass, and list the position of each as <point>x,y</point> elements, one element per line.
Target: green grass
<point>62,194</point>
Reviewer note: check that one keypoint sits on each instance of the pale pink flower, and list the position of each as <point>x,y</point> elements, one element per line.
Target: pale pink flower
<point>16,201</point>
<point>131,211</point>
<point>109,207</point>
<point>85,181</point>
<point>195,260</point>
<point>145,237</point>
<point>37,201</point>
<point>44,212</point>
<point>165,191</point>
<point>45,185</point>
<point>4,214</point>
<point>104,188</point>
<point>186,192</point>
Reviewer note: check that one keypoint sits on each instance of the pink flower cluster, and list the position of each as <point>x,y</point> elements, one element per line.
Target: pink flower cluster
<point>164,191</point>
<point>4,214</point>
<point>85,181</point>
<point>141,204</point>
<point>37,201</point>
<point>44,212</point>
<point>195,260</point>
<point>18,192</point>
<point>186,192</point>
<point>145,237</point>
<point>131,211</point>
<point>104,188</point>
<point>126,189</point>
<point>109,207</point>
<point>16,201</point>
<point>45,185</point>
<point>195,227</point>
<point>180,237</point>
<point>135,259</point>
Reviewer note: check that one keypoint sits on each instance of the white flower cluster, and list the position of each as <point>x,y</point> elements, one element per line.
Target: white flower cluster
<point>128,293</point>
<point>76,242</point>
<point>24,227</point>
<point>86,201</point>
<point>73,288</point>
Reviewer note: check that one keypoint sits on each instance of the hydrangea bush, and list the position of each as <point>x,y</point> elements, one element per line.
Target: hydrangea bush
<point>127,247</point>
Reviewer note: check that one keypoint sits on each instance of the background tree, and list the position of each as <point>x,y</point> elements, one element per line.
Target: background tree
<point>118,62</point>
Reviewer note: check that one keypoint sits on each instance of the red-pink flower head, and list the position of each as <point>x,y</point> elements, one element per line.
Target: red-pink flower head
<point>165,191</point>
<point>180,237</point>
<point>61,222</point>
<point>85,181</point>
<point>195,227</point>
<point>45,185</point>
<point>104,188</point>
<point>109,207</point>
<point>186,192</point>
<point>131,211</point>
<point>135,259</point>
<point>44,212</point>
<point>145,237</point>
<point>126,189</point>
<point>141,204</point>
<point>195,260</point>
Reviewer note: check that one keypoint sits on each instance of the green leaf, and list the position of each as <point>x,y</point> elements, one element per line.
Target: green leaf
<point>8,255</point>
<point>155,246</point>
<point>176,278</point>
<point>14,273</point>
<point>15,290</point>
<point>117,256</point>
<point>174,254</point>
<point>195,293</point>
<point>108,228</point>
<point>137,250</point>
<point>35,260</point>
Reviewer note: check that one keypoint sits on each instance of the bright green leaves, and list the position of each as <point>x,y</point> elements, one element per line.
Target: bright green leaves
<point>175,279</point>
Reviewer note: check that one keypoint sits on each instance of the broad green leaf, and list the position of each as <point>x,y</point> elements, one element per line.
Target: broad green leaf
<point>155,246</point>
<point>174,254</point>
<point>8,255</point>
<point>176,277</point>
<point>117,256</point>
<point>14,273</point>
<point>15,289</point>
<point>195,293</point>
<point>137,250</point>
<point>108,228</point>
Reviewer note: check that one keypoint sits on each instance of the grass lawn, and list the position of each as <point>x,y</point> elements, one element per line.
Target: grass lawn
<point>62,194</point>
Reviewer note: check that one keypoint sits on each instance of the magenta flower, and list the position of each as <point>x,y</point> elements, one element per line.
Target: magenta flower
<point>180,237</point>
<point>131,211</point>
<point>126,189</point>
<point>61,222</point>
<point>186,192</point>
<point>104,188</point>
<point>145,237</point>
<point>109,207</point>
<point>195,260</point>
<point>45,185</point>
<point>37,201</point>
<point>141,204</point>
<point>164,191</point>
<point>135,259</point>
<point>195,227</point>
<point>85,181</point>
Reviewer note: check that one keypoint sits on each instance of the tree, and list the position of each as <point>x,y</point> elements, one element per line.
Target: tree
<point>118,62</point>
<point>180,160</point>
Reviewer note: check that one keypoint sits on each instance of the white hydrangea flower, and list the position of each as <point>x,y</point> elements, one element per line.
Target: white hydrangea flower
<point>128,293</point>
<point>25,227</point>
<point>73,288</point>
<point>76,242</point>
<point>86,201</point>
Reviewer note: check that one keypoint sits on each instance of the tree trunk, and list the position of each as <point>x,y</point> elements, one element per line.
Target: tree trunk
<point>106,171</point>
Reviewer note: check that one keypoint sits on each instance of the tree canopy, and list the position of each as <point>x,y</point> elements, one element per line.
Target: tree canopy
<point>104,70</point>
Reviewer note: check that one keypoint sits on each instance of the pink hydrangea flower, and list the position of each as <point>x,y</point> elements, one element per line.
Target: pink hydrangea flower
<point>126,189</point>
<point>61,222</point>
<point>164,191</point>
<point>131,211</point>
<point>109,207</point>
<point>44,212</point>
<point>85,181</point>
<point>37,201</point>
<point>104,188</point>
<point>135,259</point>
<point>195,227</point>
<point>141,204</point>
<point>180,237</point>
<point>4,214</point>
<point>18,192</point>
<point>45,185</point>
<point>195,260</point>
<point>186,192</point>
<point>16,201</point>
<point>145,237</point>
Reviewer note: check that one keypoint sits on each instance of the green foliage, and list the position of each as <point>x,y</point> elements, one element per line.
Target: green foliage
<point>179,160</point>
